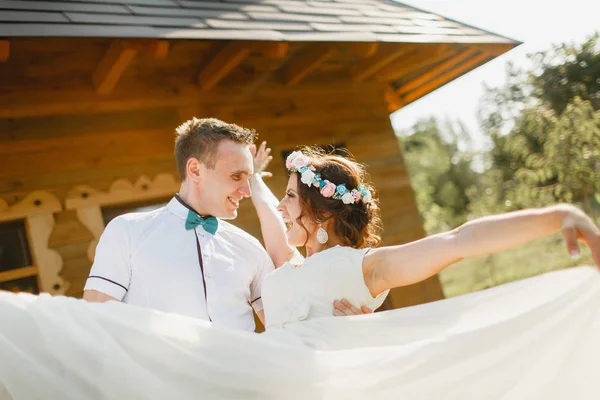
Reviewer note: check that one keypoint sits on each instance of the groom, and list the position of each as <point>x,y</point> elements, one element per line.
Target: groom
<point>184,258</point>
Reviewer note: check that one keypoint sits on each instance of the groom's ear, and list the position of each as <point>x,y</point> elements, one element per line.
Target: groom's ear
<point>193,169</point>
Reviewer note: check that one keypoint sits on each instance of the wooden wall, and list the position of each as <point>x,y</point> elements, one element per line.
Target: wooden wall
<point>59,131</point>
<point>57,153</point>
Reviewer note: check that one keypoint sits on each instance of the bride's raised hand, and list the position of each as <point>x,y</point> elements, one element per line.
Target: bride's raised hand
<point>262,158</point>
<point>578,226</point>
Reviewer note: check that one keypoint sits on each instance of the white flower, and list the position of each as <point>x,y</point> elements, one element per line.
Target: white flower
<point>291,157</point>
<point>307,177</point>
<point>300,161</point>
<point>347,198</point>
<point>367,197</point>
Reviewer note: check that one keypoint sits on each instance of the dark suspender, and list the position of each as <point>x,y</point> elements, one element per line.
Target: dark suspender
<point>202,271</point>
<point>199,255</point>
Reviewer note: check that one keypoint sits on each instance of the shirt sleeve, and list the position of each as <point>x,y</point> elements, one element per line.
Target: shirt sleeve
<point>264,268</point>
<point>111,270</point>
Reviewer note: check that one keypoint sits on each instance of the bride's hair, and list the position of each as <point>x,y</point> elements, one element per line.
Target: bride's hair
<point>358,224</point>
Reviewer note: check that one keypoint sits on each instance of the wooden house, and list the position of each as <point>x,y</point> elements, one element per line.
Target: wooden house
<point>91,92</point>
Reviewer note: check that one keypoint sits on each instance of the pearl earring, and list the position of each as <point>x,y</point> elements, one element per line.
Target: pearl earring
<point>322,236</point>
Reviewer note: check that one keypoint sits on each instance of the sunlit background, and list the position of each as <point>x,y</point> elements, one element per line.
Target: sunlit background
<point>457,170</point>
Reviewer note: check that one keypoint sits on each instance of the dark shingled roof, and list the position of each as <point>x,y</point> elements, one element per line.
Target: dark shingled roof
<point>281,20</point>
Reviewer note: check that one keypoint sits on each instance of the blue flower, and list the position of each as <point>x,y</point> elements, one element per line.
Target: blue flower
<point>341,189</point>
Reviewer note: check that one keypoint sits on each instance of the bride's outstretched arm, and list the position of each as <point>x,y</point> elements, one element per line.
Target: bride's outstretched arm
<point>395,266</point>
<point>265,203</point>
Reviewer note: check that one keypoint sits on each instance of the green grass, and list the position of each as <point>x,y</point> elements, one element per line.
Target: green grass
<point>543,255</point>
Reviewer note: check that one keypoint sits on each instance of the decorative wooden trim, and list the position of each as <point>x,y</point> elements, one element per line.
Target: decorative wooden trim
<point>122,191</point>
<point>229,57</point>
<point>4,50</point>
<point>48,261</point>
<point>384,56</point>
<point>18,273</point>
<point>37,210</point>
<point>306,63</point>
<point>112,66</point>
<point>91,218</point>
<point>35,203</point>
<point>87,201</point>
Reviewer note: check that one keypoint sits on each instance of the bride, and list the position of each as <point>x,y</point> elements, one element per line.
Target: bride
<point>537,338</point>
<point>330,208</point>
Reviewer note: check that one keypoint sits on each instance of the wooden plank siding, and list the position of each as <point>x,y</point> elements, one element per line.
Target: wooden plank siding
<point>92,91</point>
<point>59,152</point>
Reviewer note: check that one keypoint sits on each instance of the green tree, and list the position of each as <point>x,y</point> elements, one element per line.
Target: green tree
<point>543,130</point>
<point>440,172</point>
<point>566,72</point>
<point>567,169</point>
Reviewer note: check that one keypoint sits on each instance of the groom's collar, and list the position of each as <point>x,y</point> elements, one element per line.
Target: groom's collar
<point>179,207</point>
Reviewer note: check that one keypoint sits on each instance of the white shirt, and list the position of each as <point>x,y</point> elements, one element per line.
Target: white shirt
<point>149,259</point>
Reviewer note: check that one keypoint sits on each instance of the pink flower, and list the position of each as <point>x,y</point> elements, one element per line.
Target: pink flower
<point>300,161</point>
<point>293,155</point>
<point>356,194</point>
<point>328,190</point>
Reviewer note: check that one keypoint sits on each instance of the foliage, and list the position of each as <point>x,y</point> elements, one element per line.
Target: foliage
<point>568,71</point>
<point>567,168</point>
<point>440,173</point>
<point>544,130</point>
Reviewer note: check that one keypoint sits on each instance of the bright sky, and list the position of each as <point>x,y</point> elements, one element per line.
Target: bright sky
<point>537,23</point>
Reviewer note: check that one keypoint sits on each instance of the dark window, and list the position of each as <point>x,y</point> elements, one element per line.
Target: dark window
<point>14,249</point>
<point>108,213</point>
<point>28,284</point>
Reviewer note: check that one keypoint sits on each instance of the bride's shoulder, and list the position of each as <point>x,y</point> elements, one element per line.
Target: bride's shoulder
<point>296,260</point>
<point>333,256</point>
<point>339,253</point>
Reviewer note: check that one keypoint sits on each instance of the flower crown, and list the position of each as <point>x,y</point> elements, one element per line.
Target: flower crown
<point>298,162</point>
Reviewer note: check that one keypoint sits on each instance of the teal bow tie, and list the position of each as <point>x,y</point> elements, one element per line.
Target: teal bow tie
<point>209,224</point>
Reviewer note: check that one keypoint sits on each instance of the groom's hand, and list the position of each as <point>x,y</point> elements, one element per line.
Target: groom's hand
<point>344,307</point>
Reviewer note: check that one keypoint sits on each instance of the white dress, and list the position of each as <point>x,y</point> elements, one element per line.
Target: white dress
<point>306,289</point>
<point>538,338</point>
